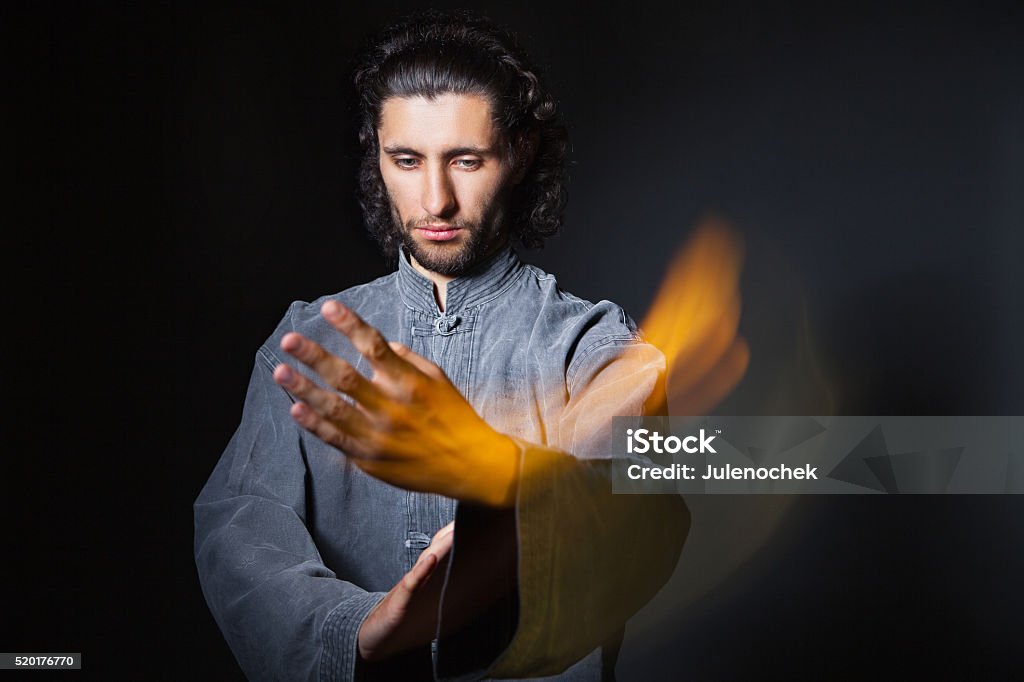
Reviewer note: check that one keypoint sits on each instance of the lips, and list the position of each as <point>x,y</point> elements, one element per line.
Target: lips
<point>438,233</point>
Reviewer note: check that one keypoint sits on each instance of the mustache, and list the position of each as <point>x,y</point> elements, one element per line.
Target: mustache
<point>434,222</point>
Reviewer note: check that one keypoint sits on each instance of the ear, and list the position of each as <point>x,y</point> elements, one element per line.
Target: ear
<point>526,152</point>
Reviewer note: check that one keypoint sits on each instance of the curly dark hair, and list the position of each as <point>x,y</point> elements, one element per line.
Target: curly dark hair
<point>433,53</point>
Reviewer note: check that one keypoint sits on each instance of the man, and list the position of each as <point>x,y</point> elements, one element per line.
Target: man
<point>426,490</point>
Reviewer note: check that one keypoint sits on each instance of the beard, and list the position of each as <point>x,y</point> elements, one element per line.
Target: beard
<point>452,259</point>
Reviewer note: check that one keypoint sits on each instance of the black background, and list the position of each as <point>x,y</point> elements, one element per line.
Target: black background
<point>181,173</point>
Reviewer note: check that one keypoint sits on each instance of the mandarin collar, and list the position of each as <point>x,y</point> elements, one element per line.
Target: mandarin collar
<point>483,281</point>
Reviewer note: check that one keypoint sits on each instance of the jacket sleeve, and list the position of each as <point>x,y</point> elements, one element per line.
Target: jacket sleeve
<point>285,615</point>
<point>585,559</point>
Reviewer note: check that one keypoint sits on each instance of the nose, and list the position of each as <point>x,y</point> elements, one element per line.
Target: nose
<point>438,194</point>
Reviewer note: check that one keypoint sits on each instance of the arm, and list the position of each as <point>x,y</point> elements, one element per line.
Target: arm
<point>410,427</point>
<point>587,560</point>
<point>284,614</point>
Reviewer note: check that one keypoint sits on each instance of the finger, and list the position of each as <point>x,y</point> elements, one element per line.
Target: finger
<point>442,533</point>
<point>418,361</point>
<point>325,414</point>
<point>419,574</point>
<point>441,544</point>
<point>366,339</point>
<point>326,431</point>
<point>336,372</point>
<point>327,404</point>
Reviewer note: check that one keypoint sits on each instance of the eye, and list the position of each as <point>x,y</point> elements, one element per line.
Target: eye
<point>406,162</point>
<point>468,164</point>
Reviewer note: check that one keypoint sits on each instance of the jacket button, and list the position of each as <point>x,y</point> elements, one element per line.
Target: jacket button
<point>446,323</point>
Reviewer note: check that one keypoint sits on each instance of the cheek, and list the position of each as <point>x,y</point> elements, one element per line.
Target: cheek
<point>399,190</point>
<point>484,192</point>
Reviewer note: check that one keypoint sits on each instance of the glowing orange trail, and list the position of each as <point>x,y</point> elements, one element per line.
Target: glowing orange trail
<point>694,320</point>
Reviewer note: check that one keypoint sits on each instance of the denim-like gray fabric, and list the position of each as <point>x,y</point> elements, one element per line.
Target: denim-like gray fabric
<point>295,545</point>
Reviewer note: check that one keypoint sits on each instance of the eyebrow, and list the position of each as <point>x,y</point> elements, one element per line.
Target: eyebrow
<point>457,151</point>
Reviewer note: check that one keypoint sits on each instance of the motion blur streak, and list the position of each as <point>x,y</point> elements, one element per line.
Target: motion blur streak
<point>695,317</point>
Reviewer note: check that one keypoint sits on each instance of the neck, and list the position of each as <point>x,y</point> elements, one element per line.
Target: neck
<point>440,282</point>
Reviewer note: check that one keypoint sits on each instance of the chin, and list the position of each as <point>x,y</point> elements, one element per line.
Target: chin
<point>445,258</point>
<point>450,250</point>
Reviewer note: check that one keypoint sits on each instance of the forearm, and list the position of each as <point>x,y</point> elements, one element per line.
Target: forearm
<point>283,613</point>
<point>588,560</point>
<point>534,588</point>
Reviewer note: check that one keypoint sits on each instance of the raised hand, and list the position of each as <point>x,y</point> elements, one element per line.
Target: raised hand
<point>409,426</point>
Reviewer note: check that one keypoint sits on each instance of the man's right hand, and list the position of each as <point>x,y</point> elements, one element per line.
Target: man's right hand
<point>407,616</point>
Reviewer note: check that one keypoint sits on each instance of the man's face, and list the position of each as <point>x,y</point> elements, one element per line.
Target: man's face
<point>447,177</point>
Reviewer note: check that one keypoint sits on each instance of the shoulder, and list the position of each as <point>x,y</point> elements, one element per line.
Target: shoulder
<point>304,316</point>
<point>583,328</point>
<point>573,315</point>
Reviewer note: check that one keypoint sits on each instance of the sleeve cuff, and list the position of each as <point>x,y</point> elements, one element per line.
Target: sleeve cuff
<point>540,471</point>
<point>341,636</point>
<point>501,640</point>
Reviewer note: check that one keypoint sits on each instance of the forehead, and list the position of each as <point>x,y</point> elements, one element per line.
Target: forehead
<point>446,121</point>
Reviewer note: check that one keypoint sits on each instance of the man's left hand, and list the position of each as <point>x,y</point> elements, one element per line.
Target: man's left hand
<point>408,426</point>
